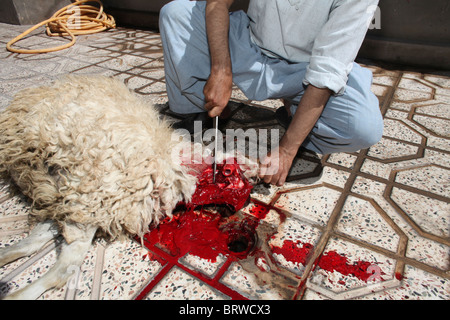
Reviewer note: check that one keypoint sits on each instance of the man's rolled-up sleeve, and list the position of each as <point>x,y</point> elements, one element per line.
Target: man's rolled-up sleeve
<point>338,43</point>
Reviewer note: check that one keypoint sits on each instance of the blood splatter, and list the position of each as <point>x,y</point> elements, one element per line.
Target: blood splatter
<point>259,211</point>
<point>294,251</point>
<point>299,252</point>
<point>333,261</point>
<point>399,276</point>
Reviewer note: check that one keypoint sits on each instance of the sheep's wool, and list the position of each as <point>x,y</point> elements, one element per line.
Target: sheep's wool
<point>89,152</point>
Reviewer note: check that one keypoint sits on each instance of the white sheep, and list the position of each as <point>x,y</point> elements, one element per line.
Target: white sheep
<point>94,159</point>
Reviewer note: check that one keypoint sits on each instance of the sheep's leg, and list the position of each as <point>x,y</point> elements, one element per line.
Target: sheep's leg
<point>41,234</point>
<point>69,260</point>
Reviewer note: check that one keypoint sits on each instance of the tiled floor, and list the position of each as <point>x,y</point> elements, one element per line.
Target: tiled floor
<point>367,225</point>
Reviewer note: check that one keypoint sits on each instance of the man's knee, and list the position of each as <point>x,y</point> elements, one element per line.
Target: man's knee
<point>348,124</point>
<point>367,129</point>
<point>368,135</point>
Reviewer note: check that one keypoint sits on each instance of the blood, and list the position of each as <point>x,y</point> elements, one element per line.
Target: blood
<point>202,233</point>
<point>191,232</point>
<point>259,211</point>
<point>196,231</point>
<point>333,261</point>
<point>298,252</point>
<point>399,276</point>
<point>231,187</point>
<point>294,251</point>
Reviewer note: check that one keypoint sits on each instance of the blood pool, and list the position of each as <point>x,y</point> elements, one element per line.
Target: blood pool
<point>203,233</point>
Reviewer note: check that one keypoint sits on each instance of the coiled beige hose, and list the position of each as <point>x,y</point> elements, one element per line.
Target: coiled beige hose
<point>75,19</point>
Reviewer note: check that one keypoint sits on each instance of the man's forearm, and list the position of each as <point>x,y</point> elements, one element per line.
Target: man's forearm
<point>217,26</point>
<point>308,112</point>
<point>218,87</point>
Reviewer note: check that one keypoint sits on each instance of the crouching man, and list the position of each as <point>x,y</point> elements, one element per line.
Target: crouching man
<point>300,51</point>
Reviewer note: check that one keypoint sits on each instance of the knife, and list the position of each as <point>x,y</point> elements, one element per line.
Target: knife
<point>216,129</point>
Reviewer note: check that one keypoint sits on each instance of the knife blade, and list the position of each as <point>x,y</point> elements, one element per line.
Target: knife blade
<point>216,129</point>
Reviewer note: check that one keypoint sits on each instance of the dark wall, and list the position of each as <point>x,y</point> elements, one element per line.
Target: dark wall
<point>412,32</point>
<point>29,11</point>
<point>415,33</point>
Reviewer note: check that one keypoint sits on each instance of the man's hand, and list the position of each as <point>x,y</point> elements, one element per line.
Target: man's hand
<point>217,92</point>
<point>275,167</point>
